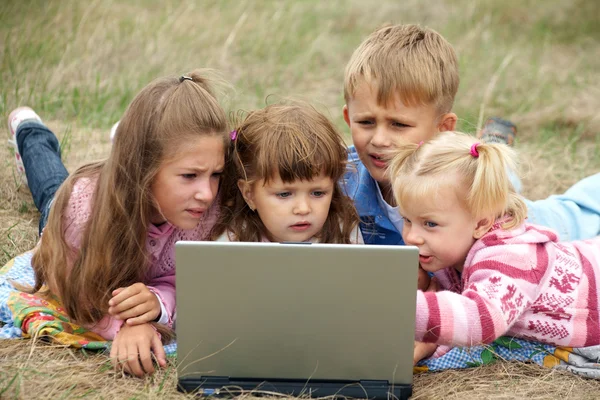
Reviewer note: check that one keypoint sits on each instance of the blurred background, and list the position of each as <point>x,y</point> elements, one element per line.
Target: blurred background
<point>79,64</point>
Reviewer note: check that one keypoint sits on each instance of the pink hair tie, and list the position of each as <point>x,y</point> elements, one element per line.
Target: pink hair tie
<point>420,144</point>
<point>233,135</point>
<point>474,151</point>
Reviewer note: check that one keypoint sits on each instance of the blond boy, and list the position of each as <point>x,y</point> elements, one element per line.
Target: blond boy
<point>399,86</point>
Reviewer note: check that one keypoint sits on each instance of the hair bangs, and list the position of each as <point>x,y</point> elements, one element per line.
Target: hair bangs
<point>416,64</point>
<point>293,155</point>
<point>412,189</point>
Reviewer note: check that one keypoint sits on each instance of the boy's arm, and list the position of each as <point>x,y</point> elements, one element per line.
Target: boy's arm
<point>575,215</point>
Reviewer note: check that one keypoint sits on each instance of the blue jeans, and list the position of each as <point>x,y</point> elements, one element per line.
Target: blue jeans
<point>45,171</point>
<point>575,215</point>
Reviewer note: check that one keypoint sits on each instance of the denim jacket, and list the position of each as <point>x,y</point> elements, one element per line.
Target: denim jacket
<point>358,184</point>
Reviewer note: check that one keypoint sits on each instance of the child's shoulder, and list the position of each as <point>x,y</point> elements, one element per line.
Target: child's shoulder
<point>524,233</point>
<point>518,243</point>
<point>352,154</point>
<point>225,237</point>
<point>85,184</point>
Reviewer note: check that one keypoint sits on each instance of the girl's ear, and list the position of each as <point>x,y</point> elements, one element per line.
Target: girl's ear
<point>447,122</point>
<point>482,227</point>
<point>246,190</point>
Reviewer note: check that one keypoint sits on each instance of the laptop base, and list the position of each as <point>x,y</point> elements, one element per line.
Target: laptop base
<point>225,386</point>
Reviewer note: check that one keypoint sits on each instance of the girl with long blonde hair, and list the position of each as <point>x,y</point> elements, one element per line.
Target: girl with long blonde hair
<point>107,250</point>
<point>501,275</point>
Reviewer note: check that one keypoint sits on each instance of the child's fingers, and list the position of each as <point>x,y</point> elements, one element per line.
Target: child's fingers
<point>124,294</point>
<point>118,310</point>
<point>141,319</point>
<point>423,350</point>
<point>117,291</point>
<point>114,353</point>
<point>145,356</point>
<point>149,299</point>
<point>134,312</point>
<point>159,351</point>
<point>133,360</point>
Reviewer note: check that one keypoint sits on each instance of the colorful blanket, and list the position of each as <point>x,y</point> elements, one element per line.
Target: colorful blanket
<point>23,315</point>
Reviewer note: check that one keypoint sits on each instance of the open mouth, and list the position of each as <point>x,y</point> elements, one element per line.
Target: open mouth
<point>378,160</point>
<point>425,259</point>
<point>301,226</point>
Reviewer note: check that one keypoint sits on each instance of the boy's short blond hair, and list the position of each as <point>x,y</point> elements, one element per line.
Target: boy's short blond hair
<point>414,62</point>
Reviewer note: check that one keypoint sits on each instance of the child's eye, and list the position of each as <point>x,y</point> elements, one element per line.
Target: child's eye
<point>284,195</point>
<point>400,125</point>
<point>188,176</point>
<point>430,224</point>
<point>365,122</point>
<point>319,193</point>
<point>406,220</point>
<point>217,174</point>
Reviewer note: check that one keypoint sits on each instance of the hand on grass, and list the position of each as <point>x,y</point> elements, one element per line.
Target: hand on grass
<point>131,350</point>
<point>136,304</point>
<point>423,350</point>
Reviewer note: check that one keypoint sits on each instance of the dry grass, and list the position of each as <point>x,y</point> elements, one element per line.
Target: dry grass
<point>35,370</point>
<point>80,63</point>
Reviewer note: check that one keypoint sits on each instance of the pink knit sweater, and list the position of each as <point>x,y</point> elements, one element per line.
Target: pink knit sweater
<point>160,245</point>
<point>520,283</point>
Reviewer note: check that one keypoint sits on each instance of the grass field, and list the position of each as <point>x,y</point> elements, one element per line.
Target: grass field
<point>78,64</point>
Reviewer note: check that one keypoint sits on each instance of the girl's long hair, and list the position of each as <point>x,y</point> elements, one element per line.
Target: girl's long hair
<point>417,172</point>
<point>295,142</point>
<point>112,253</point>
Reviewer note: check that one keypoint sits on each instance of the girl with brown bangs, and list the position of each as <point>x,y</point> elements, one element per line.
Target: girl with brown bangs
<point>107,250</point>
<point>281,183</point>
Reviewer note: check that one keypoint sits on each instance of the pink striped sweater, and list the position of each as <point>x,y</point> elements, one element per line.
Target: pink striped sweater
<point>521,283</point>
<point>160,245</point>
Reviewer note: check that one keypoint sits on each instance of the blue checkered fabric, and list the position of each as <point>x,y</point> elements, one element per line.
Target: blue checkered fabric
<point>18,270</point>
<point>506,348</point>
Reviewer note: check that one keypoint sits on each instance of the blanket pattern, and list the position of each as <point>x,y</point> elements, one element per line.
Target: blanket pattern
<point>24,315</point>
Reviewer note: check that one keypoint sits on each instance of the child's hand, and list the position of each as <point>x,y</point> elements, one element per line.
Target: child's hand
<point>131,350</point>
<point>423,279</point>
<point>434,285</point>
<point>136,304</point>
<point>423,350</point>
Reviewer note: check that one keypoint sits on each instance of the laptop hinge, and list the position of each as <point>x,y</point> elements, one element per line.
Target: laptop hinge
<point>227,386</point>
<point>373,383</point>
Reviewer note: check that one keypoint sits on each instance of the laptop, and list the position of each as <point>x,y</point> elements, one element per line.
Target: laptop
<point>296,319</point>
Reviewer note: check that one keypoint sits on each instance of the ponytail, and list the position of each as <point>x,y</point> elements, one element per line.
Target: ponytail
<point>417,171</point>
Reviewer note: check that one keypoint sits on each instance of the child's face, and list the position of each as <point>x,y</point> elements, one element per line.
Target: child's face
<point>186,186</point>
<point>378,129</point>
<point>291,212</point>
<point>442,229</point>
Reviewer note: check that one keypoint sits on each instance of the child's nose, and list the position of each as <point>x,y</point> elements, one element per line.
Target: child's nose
<point>412,237</point>
<point>302,206</point>
<point>381,138</point>
<point>204,191</point>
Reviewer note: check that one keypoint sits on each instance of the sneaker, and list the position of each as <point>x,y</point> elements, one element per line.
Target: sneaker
<point>17,116</point>
<point>498,130</point>
<point>113,131</point>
